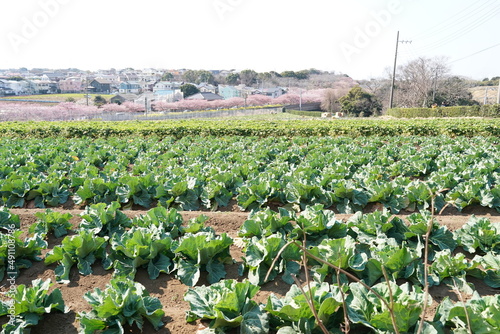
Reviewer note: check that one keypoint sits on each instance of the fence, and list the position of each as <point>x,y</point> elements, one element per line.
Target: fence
<point>156,116</point>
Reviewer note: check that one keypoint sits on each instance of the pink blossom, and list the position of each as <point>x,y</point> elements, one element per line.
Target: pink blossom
<point>258,100</point>
<point>113,107</point>
<point>287,99</point>
<point>133,107</point>
<point>10,111</point>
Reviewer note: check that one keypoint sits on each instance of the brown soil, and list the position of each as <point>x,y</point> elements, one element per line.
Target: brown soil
<point>169,290</point>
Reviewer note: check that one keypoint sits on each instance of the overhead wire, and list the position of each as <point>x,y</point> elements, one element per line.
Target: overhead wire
<point>463,30</point>
<point>468,13</point>
<point>475,53</point>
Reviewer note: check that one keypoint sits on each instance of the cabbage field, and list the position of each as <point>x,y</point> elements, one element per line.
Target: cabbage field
<point>389,228</point>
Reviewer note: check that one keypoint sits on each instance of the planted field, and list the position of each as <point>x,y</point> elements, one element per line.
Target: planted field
<point>102,245</point>
<point>107,221</point>
<point>209,173</point>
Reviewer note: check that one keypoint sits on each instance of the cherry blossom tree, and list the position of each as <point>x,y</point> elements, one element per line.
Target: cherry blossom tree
<point>288,98</point>
<point>42,112</point>
<point>134,107</point>
<point>113,107</point>
<point>258,100</point>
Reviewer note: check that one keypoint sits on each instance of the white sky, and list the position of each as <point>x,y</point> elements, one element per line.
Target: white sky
<point>262,35</point>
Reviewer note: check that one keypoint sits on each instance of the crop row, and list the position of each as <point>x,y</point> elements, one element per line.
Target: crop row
<point>355,267</point>
<point>195,173</point>
<point>234,127</point>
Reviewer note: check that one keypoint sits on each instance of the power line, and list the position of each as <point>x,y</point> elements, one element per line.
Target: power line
<point>475,53</point>
<point>468,14</point>
<point>464,29</point>
<point>461,32</point>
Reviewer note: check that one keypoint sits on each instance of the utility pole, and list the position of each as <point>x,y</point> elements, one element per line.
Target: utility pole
<point>438,69</point>
<point>485,96</point>
<point>87,89</point>
<point>300,104</point>
<point>498,95</point>
<point>391,99</point>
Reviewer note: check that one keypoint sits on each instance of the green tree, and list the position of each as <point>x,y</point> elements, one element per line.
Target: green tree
<point>167,77</point>
<point>189,89</point>
<point>302,75</point>
<point>288,74</point>
<point>359,103</point>
<point>275,74</point>
<point>314,71</point>
<point>248,77</point>
<point>265,76</point>
<point>205,76</point>
<point>232,79</point>
<point>99,101</point>
<point>190,76</point>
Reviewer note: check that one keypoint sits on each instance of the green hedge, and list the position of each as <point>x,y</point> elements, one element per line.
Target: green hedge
<point>235,127</point>
<point>305,113</point>
<point>462,111</point>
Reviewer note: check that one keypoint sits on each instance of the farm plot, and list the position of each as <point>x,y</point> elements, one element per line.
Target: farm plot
<point>375,247</point>
<point>396,269</point>
<point>210,173</point>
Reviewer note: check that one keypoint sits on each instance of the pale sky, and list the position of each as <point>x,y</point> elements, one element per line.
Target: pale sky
<point>356,37</point>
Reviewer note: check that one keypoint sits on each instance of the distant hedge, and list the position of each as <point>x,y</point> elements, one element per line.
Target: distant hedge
<point>463,111</point>
<point>305,113</point>
<point>357,127</point>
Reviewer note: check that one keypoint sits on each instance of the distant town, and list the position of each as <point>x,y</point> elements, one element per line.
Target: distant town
<point>162,85</point>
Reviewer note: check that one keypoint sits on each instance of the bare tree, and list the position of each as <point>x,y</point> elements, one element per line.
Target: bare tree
<point>418,81</point>
<point>330,102</point>
<point>453,91</point>
<point>379,87</point>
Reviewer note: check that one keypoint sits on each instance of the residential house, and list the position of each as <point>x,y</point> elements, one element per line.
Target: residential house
<point>229,92</point>
<point>168,91</point>
<point>130,87</point>
<point>150,74</point>
<point>147,86</point>
<point>271,92</point>
<point>43,87</point>
<point>5,89</point>
<point>71,85</point>
<point>169,95</point>
<point>14,87</point>
<point>120,98</point>
<point>54,76</point>
<point>102,86</point>
<point>205,96</point>
<point>6,92</point>
<point>114,79</point>
<point>207,88</point>
<point>128,76</point>
<point>166,85</point>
